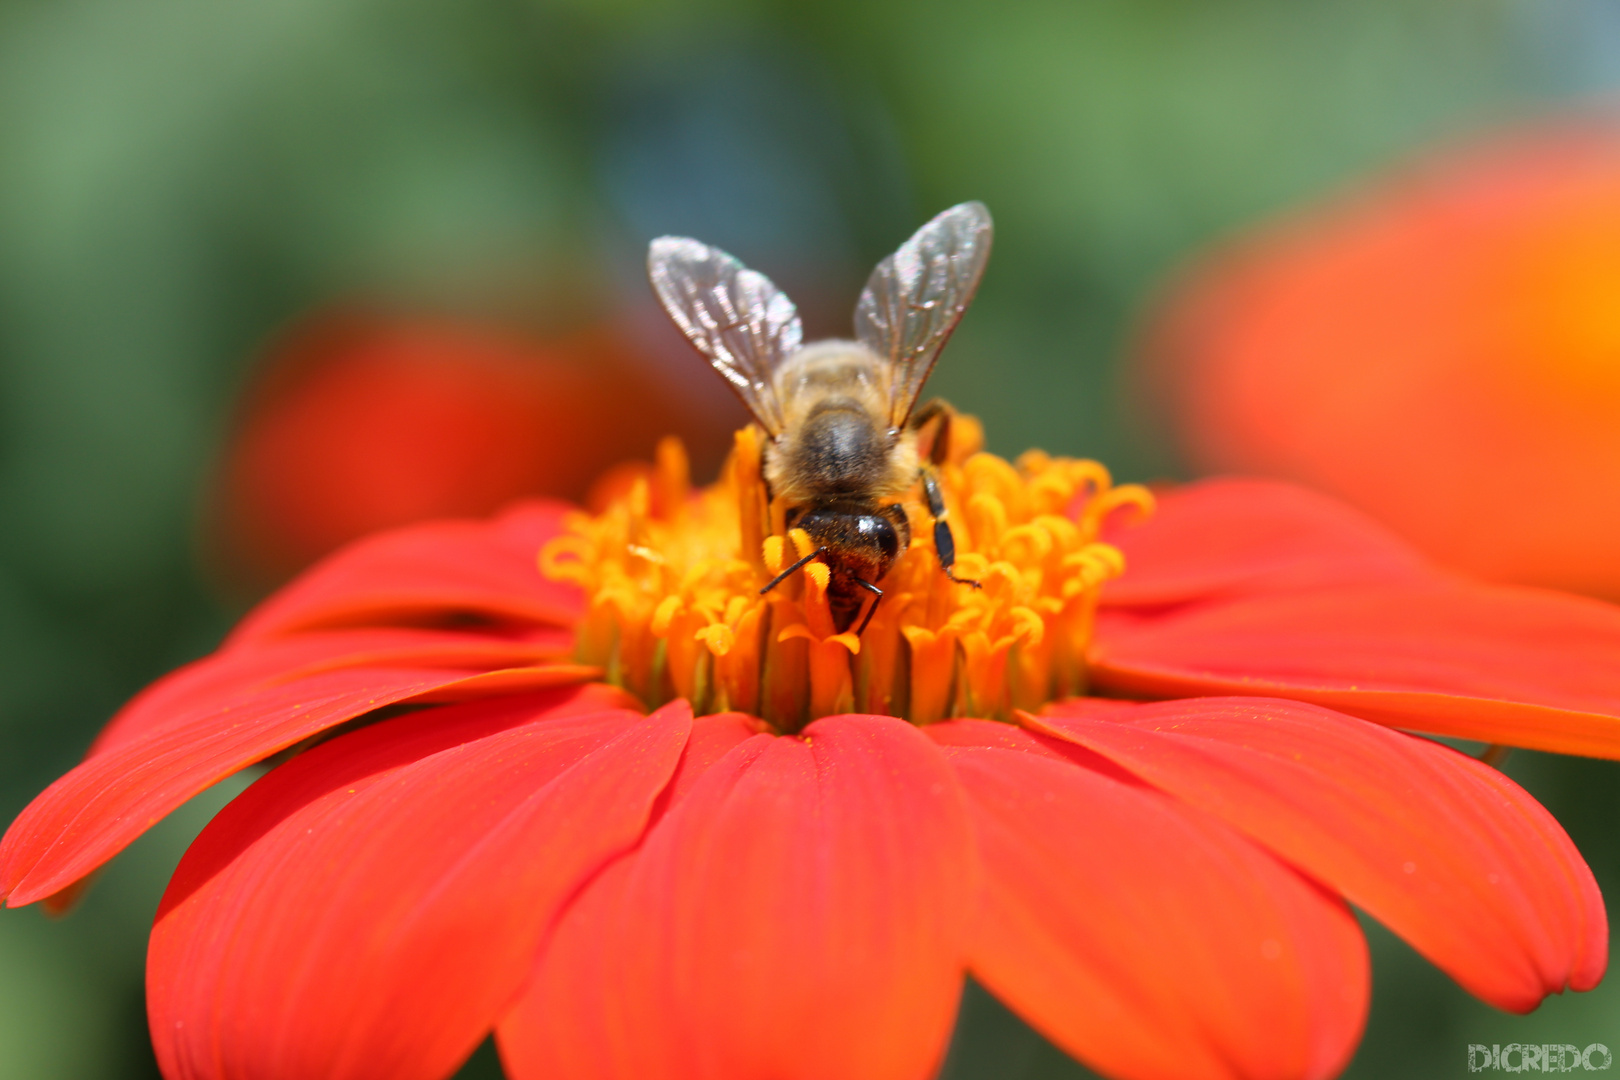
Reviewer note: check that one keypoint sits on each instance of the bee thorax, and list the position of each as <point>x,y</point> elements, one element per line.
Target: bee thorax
<point>840,449</point>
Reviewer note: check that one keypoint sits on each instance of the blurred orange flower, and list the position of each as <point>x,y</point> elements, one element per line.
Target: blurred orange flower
<point>359,421</point>
<point>1441,348</point>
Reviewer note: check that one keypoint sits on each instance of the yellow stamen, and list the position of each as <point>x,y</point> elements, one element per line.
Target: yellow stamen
<point>672,578</point>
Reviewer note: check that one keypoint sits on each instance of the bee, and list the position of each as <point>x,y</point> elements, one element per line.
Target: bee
<point>841,416</point>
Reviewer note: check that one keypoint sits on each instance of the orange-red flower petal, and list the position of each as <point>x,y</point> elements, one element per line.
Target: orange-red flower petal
<point>1241,536</point>
<point>369,909</point>
<point>1149,939</point>
<point>428,573</point>
<point>1427,651</point>
<point>95,811</point>
<point>351,636</point>
<point>228,679</point>
<point>1446,851</point>
<point>798,914</point>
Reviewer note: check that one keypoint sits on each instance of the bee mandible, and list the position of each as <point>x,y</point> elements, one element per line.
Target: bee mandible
<point>841,416</point>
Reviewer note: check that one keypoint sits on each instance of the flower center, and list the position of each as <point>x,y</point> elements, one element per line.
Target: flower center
<point>672,578</point>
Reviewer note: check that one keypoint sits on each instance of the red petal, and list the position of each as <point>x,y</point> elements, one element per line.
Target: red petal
<point>990,733</point>
<point>426,574</point>
<point>93,812</point>
<point>1258,587</point>
<point>993,734</point>
<point>1449,853</point>
<point>1228,537</point>
<point>228,679</point>
<point>1496,663</point>
<point>369,908</point>
<point>1150,940</point>
<point>798,914</point>
<point>713,737</point>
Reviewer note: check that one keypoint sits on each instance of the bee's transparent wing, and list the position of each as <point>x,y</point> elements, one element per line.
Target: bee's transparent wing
<point>745,325</point>
<point>915,297</point>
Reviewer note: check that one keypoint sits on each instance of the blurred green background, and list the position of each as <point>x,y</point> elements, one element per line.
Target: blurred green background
<point>179,178</point>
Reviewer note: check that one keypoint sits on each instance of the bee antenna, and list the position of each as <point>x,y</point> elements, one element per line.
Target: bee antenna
<point>790,571</point>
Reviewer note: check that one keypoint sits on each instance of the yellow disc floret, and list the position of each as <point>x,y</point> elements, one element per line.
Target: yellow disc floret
<point>672,579</point>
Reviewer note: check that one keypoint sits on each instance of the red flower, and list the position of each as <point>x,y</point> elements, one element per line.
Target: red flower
<point>487,840</point>
<point>359,421</point>
<point>1438,348</point>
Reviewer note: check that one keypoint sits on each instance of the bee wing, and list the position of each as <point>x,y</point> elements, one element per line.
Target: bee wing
<point>915,298</point>
<point>735,316</point>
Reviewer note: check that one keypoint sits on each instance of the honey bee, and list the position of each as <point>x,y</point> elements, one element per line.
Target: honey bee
<point>841,416</point>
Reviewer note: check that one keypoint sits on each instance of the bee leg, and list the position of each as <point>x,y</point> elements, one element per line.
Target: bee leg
<point>931,410</point>
<point>944,542</point>
<point>927,411</point>
<point>877,594</point>
<point>790,571</point>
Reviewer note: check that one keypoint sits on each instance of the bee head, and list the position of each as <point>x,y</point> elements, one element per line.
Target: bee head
<point>857,544</point>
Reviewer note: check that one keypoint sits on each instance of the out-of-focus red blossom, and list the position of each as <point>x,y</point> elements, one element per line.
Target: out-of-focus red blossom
<point>1440,348</point>
<point>359,421</point>
<point>486,840</point>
